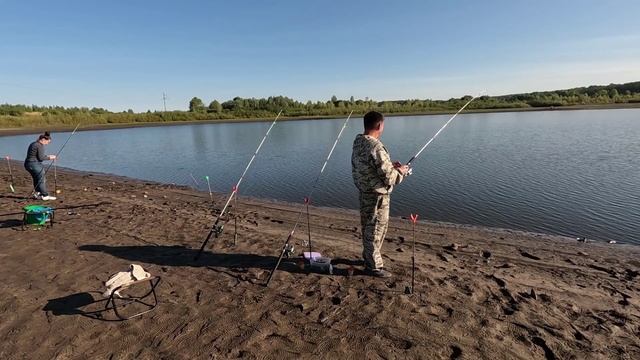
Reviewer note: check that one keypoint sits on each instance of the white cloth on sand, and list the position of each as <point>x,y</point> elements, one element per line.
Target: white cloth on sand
<point>135,273</point>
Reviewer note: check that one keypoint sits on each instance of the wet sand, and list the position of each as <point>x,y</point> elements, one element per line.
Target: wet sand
<point>498,294</point>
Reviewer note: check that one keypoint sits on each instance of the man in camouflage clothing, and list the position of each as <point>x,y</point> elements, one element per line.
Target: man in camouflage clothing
<point>374,175</point>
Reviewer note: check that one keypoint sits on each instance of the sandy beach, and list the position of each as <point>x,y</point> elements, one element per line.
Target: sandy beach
<point>480,293</point>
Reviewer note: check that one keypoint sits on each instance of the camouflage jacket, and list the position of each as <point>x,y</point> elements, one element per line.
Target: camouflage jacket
<point>371,166</point>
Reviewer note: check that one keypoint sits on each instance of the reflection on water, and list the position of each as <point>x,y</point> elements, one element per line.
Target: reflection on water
<point>561,172</point>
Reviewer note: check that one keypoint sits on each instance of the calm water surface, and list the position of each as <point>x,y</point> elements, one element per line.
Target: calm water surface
<point>571,173</point>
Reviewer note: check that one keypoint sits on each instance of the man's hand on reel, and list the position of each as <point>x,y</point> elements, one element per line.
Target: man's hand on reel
<point>405,170</point>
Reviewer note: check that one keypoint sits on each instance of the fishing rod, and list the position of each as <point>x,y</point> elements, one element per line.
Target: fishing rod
<point>439,131</point>
<point>13,190</point>
<point>307,200</point>
<point>216,228</point>
<point>57,154</point>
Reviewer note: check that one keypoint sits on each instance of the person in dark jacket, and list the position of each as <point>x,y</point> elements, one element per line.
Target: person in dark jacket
<point>33,164</point>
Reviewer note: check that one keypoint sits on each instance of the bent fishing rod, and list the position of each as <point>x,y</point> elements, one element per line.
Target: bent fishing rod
<point>439,131</point>
<point>49,166</point>
<point>216,228</point>
<point>306,202</point>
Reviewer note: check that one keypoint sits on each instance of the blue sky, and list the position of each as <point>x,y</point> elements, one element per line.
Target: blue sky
<point>125,54</point>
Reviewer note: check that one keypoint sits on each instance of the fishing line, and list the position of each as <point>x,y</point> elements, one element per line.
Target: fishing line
<point>194,180</point>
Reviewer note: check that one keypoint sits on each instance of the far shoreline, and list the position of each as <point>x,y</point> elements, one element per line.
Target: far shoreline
<point>59,128</point>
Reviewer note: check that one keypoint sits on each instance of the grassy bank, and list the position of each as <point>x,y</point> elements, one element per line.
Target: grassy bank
<point>33,118</point>
<point>35,124</point>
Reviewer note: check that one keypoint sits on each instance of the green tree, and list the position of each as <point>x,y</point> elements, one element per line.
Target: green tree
<point>215,106</point>
<point>196,105</point>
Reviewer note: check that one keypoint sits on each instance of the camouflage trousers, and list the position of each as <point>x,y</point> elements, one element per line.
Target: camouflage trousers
<point>374,218</point>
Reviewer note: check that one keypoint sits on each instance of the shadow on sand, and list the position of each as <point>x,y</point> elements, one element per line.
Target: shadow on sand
<point>10,223</point>
<point>82,304</point>
<point>183,256</point>
<point>15,197</point>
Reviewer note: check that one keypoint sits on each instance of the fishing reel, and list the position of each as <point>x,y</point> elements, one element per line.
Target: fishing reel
<point>217,229</point>
<point>288,250</point>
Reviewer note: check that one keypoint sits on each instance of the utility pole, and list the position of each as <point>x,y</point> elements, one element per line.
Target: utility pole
<point>164,101</point>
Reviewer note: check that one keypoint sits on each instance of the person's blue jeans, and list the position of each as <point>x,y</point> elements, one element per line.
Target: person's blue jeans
<point>37,172</point>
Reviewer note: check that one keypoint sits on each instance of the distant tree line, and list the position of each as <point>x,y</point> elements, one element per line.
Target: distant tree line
<point>246,108</point>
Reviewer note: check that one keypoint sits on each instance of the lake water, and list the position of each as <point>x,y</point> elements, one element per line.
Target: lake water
<point>573,173</point>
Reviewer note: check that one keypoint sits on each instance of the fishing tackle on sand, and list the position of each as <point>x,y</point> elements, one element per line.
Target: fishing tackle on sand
<point>217,228</point>
<point>307,200</point>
